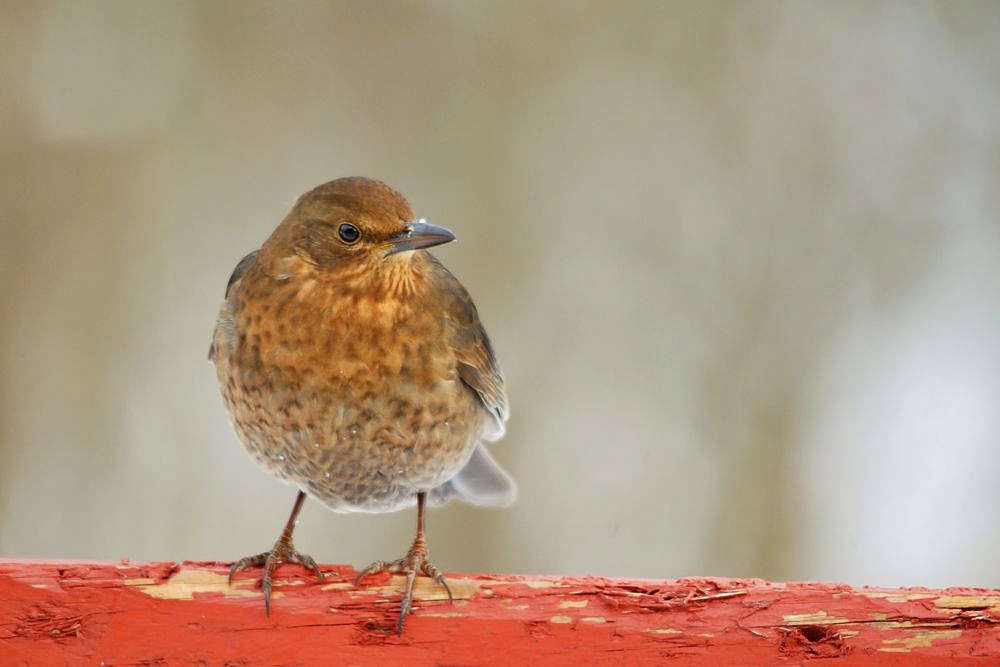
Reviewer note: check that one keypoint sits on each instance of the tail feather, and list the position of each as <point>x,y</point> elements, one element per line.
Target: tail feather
<point>481,482</point>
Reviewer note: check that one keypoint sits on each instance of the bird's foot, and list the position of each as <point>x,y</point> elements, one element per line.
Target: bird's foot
<point>282,553</point>
<point>414,562</point>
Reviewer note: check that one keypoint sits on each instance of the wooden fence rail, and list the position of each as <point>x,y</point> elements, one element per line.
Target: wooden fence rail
<point>118,614</point>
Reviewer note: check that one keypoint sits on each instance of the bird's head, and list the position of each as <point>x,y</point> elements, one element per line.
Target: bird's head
<point>352,221</point>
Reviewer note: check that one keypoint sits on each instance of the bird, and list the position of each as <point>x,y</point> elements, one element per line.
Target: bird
<point>354,366</point>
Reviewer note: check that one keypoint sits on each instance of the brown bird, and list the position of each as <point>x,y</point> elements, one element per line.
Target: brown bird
<point>354,367</point>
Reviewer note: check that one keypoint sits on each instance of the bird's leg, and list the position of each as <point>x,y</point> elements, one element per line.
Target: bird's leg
<point>282,552</point>
<point>414,562</point>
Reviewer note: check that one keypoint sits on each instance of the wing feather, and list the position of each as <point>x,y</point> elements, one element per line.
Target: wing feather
<point>476,362</point>
<point>241,268</point>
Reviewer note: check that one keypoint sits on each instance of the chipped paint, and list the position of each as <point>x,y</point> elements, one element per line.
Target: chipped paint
<point>573,604</point>
<point>428,589</point>
<point>534,583</point>
<point>920,639</point>
<point>337,586</point>
<point>186,583</point>
<point>967,601</point>
<point>59,612</point>
<point>814,618</point>
<point>896,596</point>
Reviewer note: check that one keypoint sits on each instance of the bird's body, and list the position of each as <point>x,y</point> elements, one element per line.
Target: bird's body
<point>356,367</point>
<point>353,396</point>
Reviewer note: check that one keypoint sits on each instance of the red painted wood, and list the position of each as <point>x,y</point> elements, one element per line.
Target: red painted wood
<point>118,614</point>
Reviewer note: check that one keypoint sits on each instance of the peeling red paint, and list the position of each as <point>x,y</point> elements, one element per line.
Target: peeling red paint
<point>163,613</point>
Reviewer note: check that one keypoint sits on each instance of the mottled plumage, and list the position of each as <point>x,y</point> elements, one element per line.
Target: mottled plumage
<point>354,365</point>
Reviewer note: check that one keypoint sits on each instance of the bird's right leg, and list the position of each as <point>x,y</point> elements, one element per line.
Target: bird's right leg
<point>282,552</point>
<point>414,562</point>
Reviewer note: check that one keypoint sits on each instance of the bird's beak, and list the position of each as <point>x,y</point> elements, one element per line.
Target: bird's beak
<point>419,234</point>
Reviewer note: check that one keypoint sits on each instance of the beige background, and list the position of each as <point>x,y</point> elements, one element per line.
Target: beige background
<point>741,262</point>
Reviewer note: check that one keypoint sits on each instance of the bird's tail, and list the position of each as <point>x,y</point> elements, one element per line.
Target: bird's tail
<point>481,482</point>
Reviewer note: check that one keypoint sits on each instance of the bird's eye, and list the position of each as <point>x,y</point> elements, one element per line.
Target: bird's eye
<point>348,233</point>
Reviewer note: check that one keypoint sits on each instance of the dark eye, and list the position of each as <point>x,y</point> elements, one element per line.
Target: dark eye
<point>348,233</point>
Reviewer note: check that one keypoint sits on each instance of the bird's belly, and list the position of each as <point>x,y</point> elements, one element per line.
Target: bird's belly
<point>367,445</point>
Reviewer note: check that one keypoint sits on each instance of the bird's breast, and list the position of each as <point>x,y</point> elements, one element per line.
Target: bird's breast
<point>323,338</point>
<point>351,393</point>
<point>333,363</point>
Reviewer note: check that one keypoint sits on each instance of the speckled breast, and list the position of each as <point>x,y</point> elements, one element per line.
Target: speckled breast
<point>355,400</point>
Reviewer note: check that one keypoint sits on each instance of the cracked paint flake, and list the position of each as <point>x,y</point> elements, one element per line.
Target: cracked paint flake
<point>573,604</point>
<point>814,618</point>
<point>186,583</point>
<point>920,639</point>
<point>967,602</point>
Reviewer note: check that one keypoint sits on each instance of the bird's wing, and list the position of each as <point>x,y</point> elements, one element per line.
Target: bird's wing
<point>241,268</point>
<point>480,372</point>
<point>479,369</point>
<point>476,362</point>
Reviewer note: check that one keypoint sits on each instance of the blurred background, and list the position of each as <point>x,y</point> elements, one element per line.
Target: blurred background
<point>740,261</point>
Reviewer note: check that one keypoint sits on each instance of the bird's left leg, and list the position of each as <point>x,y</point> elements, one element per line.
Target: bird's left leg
<point>414,562</point>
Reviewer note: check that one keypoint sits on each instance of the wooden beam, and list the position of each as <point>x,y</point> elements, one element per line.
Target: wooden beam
<point>68,613</point>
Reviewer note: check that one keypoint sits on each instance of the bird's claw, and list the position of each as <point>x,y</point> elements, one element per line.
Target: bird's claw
<point>414,562</point>
<point>283,553</point>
